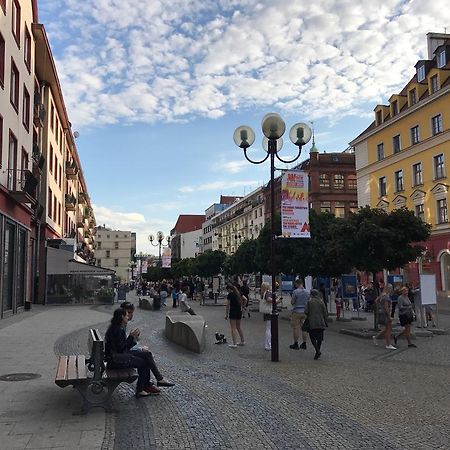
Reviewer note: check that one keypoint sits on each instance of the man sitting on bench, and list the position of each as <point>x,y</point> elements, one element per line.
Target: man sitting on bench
<point>118,355</point>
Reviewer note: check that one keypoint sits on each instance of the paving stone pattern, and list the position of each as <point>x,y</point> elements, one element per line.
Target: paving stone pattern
<point>357,396</point>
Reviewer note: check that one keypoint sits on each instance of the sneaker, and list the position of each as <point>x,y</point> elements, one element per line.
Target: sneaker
<point>142,394</point>
<point>374,339</point>
<point>294,346</point>
<point>165,383</point>
<point>412,345</point>
<point>317,355</point>
<point>390,347</point>
<point>268,349</point>
<point>241,344</point>
<point>303,346</point>
<point>152,390</point>
<point>232,345</point>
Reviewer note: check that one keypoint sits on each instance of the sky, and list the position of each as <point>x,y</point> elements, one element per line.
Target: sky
<point>156,88</point>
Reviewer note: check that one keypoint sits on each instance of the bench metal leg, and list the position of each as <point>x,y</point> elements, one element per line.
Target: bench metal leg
<point>96,394</point>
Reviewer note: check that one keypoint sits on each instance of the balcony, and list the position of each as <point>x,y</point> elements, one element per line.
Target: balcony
<point>39,115</point>
<point>71,170</point>
<point>87,213</point>
<point>70,202</point>
<point>22,185</point>
<point>38,160</point>
<point>82,198</point>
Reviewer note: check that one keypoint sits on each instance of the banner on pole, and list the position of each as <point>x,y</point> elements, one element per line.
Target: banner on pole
<point>294,205</point>
<point>167,258</point>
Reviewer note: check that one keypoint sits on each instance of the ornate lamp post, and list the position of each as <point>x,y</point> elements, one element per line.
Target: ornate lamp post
<point>159,240</point>
<point>273,128</point>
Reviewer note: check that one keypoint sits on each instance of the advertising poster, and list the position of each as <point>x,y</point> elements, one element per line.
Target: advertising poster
<point>144,266</point>
<point>349,286</point>
<point>294,205</point>
<point>167,258</point>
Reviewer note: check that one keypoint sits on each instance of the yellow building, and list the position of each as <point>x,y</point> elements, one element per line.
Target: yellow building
<point>403,157</point>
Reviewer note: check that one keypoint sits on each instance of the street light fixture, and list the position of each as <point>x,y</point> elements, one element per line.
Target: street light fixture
<point>273,128</point>
<point>159,240</point>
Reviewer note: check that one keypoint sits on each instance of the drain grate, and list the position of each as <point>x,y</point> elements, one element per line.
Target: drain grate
<point>19,376</point>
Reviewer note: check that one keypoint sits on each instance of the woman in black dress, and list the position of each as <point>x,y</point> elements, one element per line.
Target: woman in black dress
<point>118,355</point>
<point>234,313</point>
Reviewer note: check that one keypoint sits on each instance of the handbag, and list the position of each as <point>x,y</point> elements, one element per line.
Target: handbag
<point>305,326</point>
<point>264,306</point>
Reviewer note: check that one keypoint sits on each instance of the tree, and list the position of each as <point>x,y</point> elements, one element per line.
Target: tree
<point>244,258</point>
<point>210,263</point>
<point>184,268</point>
<point>375,240</point>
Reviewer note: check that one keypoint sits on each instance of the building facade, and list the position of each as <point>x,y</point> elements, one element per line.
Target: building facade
<point>115,250</point>
<point>402,158</point>
<point>186,236</point>
<point>242,220</point>
<point>35,143</point>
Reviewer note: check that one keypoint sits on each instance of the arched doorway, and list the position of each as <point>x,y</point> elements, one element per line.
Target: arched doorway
<point>444,261</point>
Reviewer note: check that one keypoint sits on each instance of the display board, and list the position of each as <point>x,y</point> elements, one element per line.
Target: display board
<point>428,289</point>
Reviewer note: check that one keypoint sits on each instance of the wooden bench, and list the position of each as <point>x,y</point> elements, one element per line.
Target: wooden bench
<point>90,377</point>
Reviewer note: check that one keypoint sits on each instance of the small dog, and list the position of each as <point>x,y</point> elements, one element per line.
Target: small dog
<point>220,339</point>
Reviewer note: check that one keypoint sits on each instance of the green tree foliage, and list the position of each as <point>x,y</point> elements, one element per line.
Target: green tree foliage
<point>184,268</point>
<point>244,258</point>
<point>374,240</point>
<point>210,263</point>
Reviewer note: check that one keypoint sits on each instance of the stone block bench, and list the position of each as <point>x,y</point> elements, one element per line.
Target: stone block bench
<point>186,330</point>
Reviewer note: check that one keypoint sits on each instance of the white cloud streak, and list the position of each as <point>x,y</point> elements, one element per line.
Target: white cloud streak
<point>171,60</point>
<point>218,185</point>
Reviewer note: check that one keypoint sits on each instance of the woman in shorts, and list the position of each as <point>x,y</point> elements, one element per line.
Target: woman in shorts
<point>234,314</point>
<point>384,304</point>
<point>406,316</point>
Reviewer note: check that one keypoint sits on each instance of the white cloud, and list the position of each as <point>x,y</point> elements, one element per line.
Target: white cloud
<point>135,222</point>
<point>218,185</point>
<point>156,60</point>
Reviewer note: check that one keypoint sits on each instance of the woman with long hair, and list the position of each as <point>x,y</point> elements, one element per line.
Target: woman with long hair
<point>118,355</point>
<point>234,313</point>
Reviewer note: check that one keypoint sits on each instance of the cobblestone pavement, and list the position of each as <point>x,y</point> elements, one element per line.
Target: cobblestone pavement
<point>357,396</point>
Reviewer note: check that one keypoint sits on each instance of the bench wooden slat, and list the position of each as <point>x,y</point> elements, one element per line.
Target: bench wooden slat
<point>72,372</point>
<point>61,372</point>
<point>81,365</point>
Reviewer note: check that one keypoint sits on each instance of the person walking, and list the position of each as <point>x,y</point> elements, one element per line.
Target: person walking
<point>299,299</point>
<point>234,314</point>
<point>384,304</point>
<point>406,316</point>
<point>316,313</point>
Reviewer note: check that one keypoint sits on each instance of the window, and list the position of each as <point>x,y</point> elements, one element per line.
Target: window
<point>25,160</point>
<point>442,211</point>
<point>3,5</point>
<point>353,207</point>
<point>55,207</point>
<point>338,181</point>
<point>49,207</point>
<point>50,160</point>
<point>15,16</point>
<point>52,116</point>
<point>439,166</point>
<point>415,135</point>
<point>99,262</point>
<point>412,97</point>
<point>420,212</point>
<point>351,182</point>
<point>59,213</point>
<point>382,186</point>
<point>12,162</point>
<point>395,108</point>
<point>398,176</point>
<point>116,245</point>
<point>2,61</point>
<point>1,140</point>
<point>339,209</point>
<point>99,245</point>
<point>434,84</point>
<point>380,151</point>
<point>436,124</point>
<point>396,144</point>
<point>441,59</point>
<point>14,86</point>
<point>324,180</point>
<point>417,174</point>
<point>116,263</point>
<point>379,117</point>
<point>107,236</point>
<point>27,50</point>
<point>108,253</point>
<point>26,108</point>
<point>421,73</point>
<point>325,207</point>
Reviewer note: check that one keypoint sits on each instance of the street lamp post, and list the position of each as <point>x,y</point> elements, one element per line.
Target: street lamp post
<point>159,244</point>
<point>273,128</point>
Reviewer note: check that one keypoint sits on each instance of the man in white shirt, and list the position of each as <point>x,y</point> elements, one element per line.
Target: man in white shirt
<point>183,299</point>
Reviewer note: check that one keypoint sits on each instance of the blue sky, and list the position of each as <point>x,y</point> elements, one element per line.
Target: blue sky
<point>157,87</point>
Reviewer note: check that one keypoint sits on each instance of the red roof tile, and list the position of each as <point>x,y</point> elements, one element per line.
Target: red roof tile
<point>188,222</point>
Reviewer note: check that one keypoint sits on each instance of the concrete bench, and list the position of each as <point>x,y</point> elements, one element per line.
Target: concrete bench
<point>186,330</point>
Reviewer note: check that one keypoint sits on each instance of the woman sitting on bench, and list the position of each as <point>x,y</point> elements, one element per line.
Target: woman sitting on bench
<point>119,356</point>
